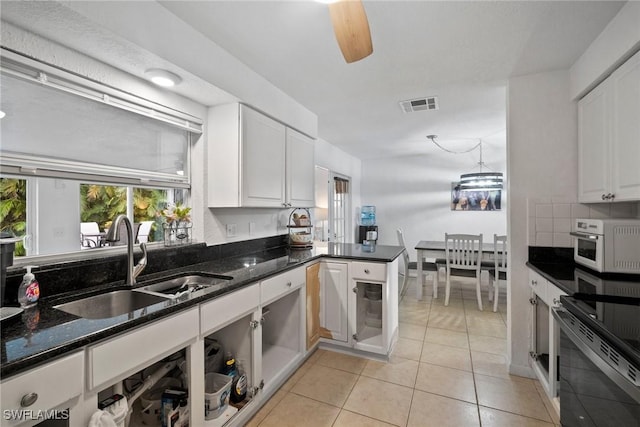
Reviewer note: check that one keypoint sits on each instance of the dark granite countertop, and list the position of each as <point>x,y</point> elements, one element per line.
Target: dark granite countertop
<point>616,323</point>
<point>564,275</point>
<point>42,333</point>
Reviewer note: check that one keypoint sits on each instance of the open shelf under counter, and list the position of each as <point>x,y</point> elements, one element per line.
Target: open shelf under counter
<point>275,359</point>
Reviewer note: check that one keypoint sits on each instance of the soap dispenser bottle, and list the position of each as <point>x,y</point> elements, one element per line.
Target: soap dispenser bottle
<point>29,290</point>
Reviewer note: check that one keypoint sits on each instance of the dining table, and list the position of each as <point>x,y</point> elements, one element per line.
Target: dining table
<point>436,249</point>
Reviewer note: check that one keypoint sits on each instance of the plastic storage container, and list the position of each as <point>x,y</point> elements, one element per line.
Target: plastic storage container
<point>216,394</point>
<point>368,215</point>
<point>151,400</point>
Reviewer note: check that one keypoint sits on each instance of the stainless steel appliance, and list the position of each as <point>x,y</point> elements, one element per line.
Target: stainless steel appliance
<point>608,245</point>
<point>600,351</point>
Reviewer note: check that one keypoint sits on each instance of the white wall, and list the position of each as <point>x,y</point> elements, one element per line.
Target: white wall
<point>414,193</point>
<point>336,160</point>
<point>542,152</point>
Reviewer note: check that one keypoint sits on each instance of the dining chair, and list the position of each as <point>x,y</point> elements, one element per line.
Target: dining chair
<point>499,273</point>
<point>427,267</point>
<point>463,254</point>
<point>89,235</point>
<point>143,231</point>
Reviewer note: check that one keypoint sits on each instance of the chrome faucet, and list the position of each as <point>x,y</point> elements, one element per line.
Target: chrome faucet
<point>113,235</point>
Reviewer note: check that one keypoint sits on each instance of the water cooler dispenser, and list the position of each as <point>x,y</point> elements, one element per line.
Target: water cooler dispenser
<point>368,230</point>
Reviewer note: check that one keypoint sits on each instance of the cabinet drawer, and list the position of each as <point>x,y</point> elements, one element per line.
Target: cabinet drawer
<point>553,295</point>
<point>54,384</point>
<point>369,271</point>
<point>228,308</point>
<point>274,287</point>
<point>538,285</point>
<point>132,351</point>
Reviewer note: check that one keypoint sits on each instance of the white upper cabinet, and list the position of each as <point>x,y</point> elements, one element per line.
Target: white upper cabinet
<point>609,138</point>
<point>300,170</point>
<point>625,147</point>
<point>255,161</point>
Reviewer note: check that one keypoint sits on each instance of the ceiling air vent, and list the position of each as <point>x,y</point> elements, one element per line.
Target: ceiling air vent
<point>419,104</point>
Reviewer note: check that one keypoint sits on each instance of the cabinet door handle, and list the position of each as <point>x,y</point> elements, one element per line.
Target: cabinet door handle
<point>366,271</point>
<point>288,284</point>
<point>556,302</point>
<point>604,197</point>
<point>28,399</point>
<point>612,196</point>
<point>534,283</point>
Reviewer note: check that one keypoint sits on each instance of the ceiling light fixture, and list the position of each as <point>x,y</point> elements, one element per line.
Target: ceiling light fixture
<point>475,181</point>
<point>162,77</point>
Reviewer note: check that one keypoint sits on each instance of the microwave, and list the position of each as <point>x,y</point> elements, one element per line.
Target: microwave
<point>608,245</point>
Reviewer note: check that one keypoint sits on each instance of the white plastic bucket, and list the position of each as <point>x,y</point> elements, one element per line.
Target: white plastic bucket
<point>216,394</point>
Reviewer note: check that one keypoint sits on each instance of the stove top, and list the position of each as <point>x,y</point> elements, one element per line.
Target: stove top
<point>613,303</point>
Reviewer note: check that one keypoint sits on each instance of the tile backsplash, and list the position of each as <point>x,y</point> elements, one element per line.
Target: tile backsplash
<point>550,219</point>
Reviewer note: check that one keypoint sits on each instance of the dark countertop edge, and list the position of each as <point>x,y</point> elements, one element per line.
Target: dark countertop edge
<point>545,270</point>
<point>29,362</point>
<point>631,354</point>
<point>549,276</point>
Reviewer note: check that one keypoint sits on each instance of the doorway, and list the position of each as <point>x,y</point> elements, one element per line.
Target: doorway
<point>333,206</point>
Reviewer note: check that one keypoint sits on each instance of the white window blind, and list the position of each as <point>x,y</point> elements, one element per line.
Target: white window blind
<point>61,125</point>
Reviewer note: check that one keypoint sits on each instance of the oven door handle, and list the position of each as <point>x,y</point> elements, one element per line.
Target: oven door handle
<point>585,235</point>
<point>559,313</point>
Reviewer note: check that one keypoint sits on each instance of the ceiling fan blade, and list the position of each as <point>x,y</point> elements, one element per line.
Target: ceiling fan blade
<point>351,28</point>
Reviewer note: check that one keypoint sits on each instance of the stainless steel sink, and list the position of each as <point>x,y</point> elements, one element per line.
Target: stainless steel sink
<point>186,284</point>
<point>110,304</point>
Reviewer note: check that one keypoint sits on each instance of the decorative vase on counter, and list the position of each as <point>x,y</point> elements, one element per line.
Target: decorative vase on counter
<point>177,233</point>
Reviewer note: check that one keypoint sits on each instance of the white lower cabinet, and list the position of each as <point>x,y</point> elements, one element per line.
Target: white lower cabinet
<point>545,334</point>
<point>263,325</point>
<point>373,317</point>
<point>283,331</point>
<point>334,291</point>
<point>266,334</point>
<point>127,360</point>
<point>359,306</point>
<point>56,386</point>
<point>234,322</point>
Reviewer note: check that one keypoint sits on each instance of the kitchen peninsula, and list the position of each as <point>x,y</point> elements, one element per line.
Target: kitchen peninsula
<point>260,312</point>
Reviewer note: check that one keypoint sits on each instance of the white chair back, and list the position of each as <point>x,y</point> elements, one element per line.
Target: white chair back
<point>405,257</point>
<point>500,269</point>
<point>405,254</point>
<point>143,231</point>
<point>463,251</point>
<point>500,253</point>
<point>89,228</point>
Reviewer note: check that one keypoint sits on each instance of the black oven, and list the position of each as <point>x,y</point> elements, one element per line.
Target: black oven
<point>599,360</point>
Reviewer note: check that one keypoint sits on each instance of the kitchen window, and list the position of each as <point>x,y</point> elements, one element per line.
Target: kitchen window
<point>51,212</point>
<point>63,135</point>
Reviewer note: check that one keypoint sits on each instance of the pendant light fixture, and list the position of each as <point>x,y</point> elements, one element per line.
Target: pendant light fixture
<point>475,181</point>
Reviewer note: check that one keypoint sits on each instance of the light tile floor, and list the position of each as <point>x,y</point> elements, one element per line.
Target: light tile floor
<point>447,369</point>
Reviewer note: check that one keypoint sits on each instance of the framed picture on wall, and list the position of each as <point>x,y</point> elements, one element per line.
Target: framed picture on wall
<point>472,200</point>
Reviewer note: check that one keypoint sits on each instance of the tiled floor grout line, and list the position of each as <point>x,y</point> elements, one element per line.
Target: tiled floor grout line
<point>420,308</point>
